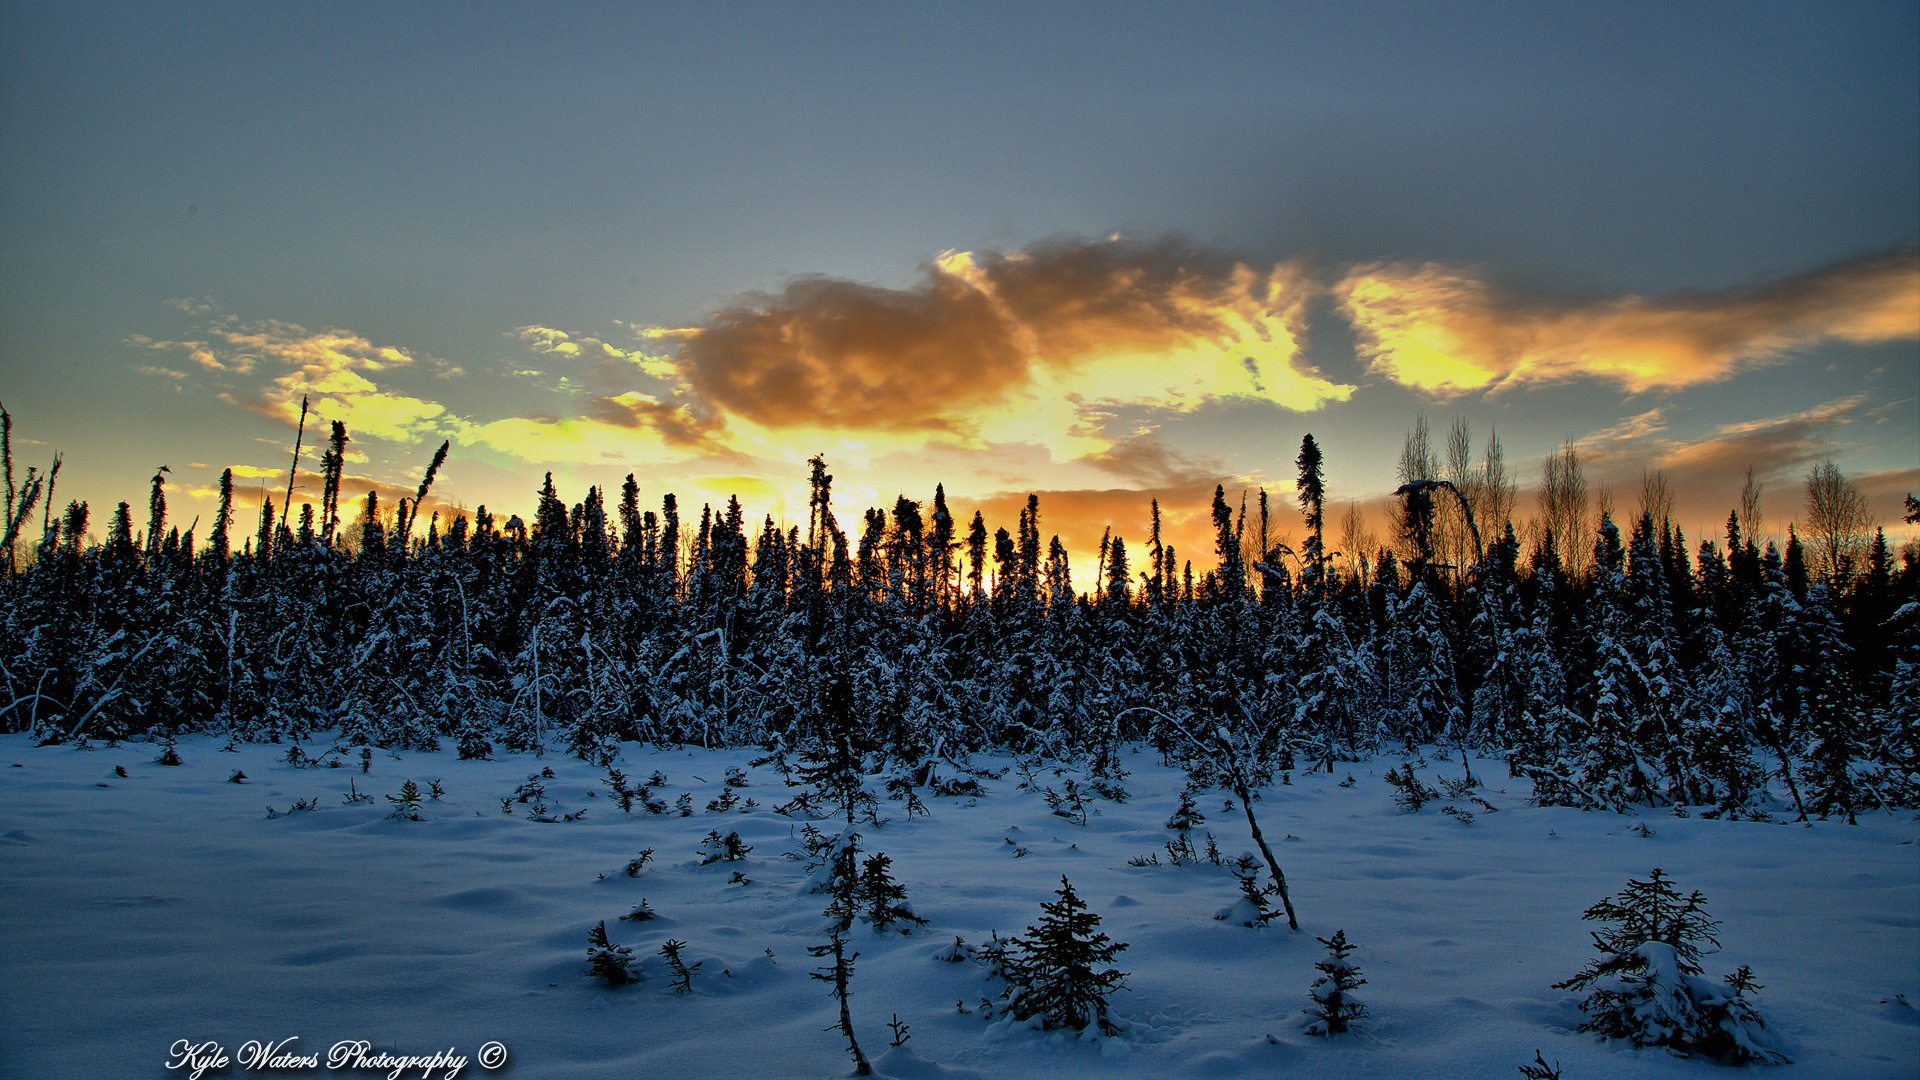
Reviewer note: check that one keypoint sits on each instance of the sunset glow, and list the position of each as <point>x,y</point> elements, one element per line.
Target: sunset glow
<point>1083,282</point>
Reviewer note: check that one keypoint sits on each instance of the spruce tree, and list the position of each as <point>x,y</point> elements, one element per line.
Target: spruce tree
<point>1831,719</point>
<point>608,961</point>
<point>1647,983</point>
<point>222,518</point>
<point>1312,489</point>
<point>1058,971</point>
<point>884,900</point>
<point>842,907</point>
<point>1334,1008</point>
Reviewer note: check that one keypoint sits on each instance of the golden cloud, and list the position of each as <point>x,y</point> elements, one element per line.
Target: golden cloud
<point>549,440</point>
<point>611,359</point>
<point>1446,331</point>
<point>1028,346</point>
<point>331,367</point>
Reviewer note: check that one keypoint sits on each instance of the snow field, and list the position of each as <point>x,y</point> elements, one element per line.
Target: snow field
<point>167,905</point>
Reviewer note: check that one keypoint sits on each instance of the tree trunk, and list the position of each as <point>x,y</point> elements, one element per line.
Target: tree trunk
<point>861,1067</point>
<point>1253,826</point>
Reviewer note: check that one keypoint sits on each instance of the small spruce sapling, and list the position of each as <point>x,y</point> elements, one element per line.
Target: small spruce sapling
<point>532,795</point>
<point>1058,971</point>
<point>834,771</point>
<point>901,789</point>
<point>1252,908</point>
<point>843,888</point>
<point>1070,804</point>
<point>1334,1008</point>
<point>1410,793</point>
<point>1187,816</point>
<point>639,863</point>
<point>1648,985</point>
<point>884,898</point>
<point>623,794</point>
<point>608,961</point>
<point>682,971</point>
<point>716,848</point>
<point>406,805</point>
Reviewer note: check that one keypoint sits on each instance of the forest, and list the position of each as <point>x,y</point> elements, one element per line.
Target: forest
<point>1610,663</point>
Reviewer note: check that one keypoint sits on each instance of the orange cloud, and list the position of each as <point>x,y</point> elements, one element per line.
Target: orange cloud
<point>1029,346</point>
<point>1447,332</point>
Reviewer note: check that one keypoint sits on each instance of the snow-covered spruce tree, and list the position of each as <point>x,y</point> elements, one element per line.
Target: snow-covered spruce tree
<point>1899,749</point>
<point>1251,909</point>
<point>1058,971</point>
<point>1424,693</point>
<point>1334,1007</point>
<point>1667,709</point>
<point>1538,741</point>
<point>1721,734</point>
<point>1607,764</point>
<point>608,961</point>
<point>833,764</point>
<point>1648,986</point>
<point>1498,703</point>
<point>1835,778</point>
<point>1336,688</point>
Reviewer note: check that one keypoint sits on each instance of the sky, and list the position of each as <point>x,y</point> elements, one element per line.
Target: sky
<point>1103,253</point>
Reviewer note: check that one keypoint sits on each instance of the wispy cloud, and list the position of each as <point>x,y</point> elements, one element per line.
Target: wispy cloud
<point>1705,472</point>
<point>1446,331</point>
<point>268,365</point>
<point>1776,445</point>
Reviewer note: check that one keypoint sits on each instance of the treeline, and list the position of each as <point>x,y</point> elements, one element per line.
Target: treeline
<point>1735,679</point>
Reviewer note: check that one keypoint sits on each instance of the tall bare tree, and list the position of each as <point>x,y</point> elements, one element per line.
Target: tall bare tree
<point>1838,521</point>
<point>1656,497</point>
<point>1417,463</point>
<point>1563,505</point>
<point>1358,543</point>
<point>1751,518</point>
<point>1450,522</point>
<point>1497,488</point>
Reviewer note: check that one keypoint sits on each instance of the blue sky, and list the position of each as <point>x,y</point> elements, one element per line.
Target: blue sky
<point>1620,221</point>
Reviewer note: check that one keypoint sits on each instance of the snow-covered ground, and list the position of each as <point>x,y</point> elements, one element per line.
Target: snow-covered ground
<point>167,905</point>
